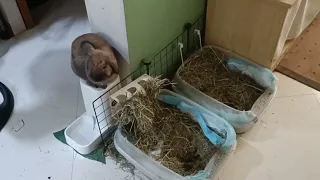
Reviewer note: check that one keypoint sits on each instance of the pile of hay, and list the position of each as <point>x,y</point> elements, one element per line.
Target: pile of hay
<point>207,73</point>
<point>163,132</point>
<point>112,153</point>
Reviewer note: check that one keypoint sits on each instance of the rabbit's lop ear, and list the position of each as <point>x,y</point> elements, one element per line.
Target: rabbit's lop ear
<point>108,70</point>
<point>77,65</point>
<point>87,48</point>
<point>112,61</point>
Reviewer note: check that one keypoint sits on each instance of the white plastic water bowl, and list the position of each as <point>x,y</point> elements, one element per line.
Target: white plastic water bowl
<point>83,134</point>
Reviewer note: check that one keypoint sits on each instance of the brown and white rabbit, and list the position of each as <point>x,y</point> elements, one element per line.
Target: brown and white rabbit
<point>93,60</point>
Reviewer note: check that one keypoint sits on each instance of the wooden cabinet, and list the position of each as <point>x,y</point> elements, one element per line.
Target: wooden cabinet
<point>254,29</point>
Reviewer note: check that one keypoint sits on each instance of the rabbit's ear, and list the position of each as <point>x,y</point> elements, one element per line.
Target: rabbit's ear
<point>87,48</point>
<point>108,70</point>
<point>109,58</point>
<point>88,70</point>
<point>112,61</point>
<point>77,66</point>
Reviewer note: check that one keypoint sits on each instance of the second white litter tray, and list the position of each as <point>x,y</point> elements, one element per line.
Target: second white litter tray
<point>242,121</point>
<point>156,171</point>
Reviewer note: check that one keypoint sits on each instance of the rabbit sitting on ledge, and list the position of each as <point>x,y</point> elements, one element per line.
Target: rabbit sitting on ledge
<point>93,60</point>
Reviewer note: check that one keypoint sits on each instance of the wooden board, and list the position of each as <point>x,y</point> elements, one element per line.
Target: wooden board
<point>286,48</point>
<point>302,60</point>
<point>254,29</point>
<point>25,12</point>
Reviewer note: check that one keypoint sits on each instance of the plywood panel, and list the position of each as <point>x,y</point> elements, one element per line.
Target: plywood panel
<point>254,29</point>
<point>302,61</point>
<point>25,12</point>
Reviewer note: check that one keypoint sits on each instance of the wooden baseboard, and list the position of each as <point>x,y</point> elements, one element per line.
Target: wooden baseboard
<point>302,61</point>
<point>25,13</point>
<point>285,49</point>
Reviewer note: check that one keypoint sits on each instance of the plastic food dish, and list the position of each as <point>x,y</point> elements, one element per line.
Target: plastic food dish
<point>242,121</point>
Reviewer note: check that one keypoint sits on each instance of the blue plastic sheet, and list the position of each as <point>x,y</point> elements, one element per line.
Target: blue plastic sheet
<point>215,128</point>
<point>260,74</point>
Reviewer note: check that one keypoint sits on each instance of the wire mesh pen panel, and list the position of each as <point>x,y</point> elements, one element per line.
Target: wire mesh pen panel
<point>164,64</point>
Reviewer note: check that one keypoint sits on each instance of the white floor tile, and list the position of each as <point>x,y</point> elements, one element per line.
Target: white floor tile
<point>28,150</point>
<point>84,169</point>
<point>36,67</point>
<point>289,87</point>
<point>282,145</point>
<point>318,97</point>
<point>316,91</point>
<point>47,87</point>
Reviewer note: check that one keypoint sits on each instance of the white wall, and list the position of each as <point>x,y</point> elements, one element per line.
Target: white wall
<point>12,14</point>
<point>107,18</point>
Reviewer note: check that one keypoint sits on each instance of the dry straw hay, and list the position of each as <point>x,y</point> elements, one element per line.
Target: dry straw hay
<point>207,72</point>
<point>162,131</point>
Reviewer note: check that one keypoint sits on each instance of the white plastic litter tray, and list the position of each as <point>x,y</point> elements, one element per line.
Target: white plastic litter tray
<point>153,169</point>
<point>242,121</point>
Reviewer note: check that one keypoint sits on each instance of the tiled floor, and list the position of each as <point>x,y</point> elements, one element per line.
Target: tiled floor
<point>282,145</point>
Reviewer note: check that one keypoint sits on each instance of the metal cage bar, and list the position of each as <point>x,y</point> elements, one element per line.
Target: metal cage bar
<point>164,64</point>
